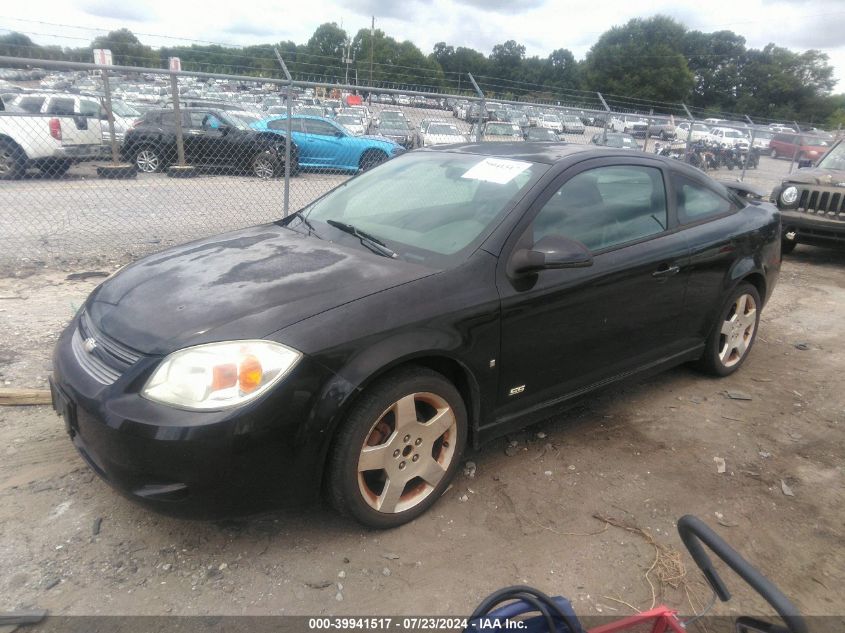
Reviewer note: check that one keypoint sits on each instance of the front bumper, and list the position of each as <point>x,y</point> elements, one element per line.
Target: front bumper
<point>813,229</point>
<point>190,463</point>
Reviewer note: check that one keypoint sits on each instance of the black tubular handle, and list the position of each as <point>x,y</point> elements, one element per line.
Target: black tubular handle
<point>694,532</point>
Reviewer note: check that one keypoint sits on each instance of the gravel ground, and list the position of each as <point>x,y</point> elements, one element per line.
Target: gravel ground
<point>522,512</point>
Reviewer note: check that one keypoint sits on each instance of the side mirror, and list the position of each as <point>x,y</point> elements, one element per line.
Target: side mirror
<point>804,162</point>
<point>550,252</point>
<point>223,129</point>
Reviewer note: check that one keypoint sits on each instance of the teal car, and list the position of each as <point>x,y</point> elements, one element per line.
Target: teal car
<point>324,144</point>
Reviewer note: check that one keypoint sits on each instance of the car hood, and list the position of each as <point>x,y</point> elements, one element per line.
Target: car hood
<point>239,285</point>
<point>823,177</point>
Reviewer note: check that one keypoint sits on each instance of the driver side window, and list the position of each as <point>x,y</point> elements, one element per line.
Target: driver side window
<point>321,128</point>
<point>606,207</point>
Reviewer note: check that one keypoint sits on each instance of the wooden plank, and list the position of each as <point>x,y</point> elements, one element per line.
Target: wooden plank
<point>19,397</point>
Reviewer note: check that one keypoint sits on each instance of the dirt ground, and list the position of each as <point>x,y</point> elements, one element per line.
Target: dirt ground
<point>643,455</point>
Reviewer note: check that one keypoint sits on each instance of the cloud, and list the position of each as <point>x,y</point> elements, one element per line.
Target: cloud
<point>246,27</point>
<point>511,7</point>
<point>402,11</point>
<point>115,11</point>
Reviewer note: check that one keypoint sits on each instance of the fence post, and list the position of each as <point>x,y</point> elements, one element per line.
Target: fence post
<point>750,149</point>
<point>797,143</point>
<point>482,109</point>
<point>289,138</point>
<point>606,118</point>
<point>180,141</point>
<point>115,158</point>
<point>648,129</point>
<point>691,121</point>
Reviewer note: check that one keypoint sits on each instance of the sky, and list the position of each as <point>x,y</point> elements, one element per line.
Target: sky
<point>540,25</point>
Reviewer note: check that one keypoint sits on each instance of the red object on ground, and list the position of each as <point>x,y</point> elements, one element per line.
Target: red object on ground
<point>658,620</point>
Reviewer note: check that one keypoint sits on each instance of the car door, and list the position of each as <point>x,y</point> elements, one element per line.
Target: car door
<point>325,143</point>
<point>564,331</point>
<point>196,136</point>
<point>708,220</point>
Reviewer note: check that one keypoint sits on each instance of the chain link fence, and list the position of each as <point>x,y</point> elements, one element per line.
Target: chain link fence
<point>109,163</point>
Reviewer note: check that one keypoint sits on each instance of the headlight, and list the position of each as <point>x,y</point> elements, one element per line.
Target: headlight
<point>219,375</point>
<point>789,196</point>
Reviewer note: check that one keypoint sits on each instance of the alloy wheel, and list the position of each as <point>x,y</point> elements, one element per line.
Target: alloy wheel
<point>147,161</point>
<point>263,167</point>
<point>738,330</point>
<point>407,452</point>
<point>8,162</point>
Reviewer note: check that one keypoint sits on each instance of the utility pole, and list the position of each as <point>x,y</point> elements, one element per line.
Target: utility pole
<point>372,46</point>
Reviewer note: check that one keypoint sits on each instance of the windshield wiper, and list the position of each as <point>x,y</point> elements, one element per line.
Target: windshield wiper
<point>300,215</point>
<point>370,241</point>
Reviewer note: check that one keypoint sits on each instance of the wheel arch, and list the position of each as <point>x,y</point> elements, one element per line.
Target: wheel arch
<point>5,138</point>
<point>342,394</point>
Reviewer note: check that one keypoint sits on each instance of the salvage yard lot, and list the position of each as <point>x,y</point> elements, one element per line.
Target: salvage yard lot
<point>643,455</point>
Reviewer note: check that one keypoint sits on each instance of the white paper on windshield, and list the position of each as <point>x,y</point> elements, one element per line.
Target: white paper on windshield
<point>498,170</point>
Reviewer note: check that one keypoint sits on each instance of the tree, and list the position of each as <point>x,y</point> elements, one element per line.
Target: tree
<point>127,49</point>
<point>643,59</point>
<point>714,59</point>
<point>506,60</point>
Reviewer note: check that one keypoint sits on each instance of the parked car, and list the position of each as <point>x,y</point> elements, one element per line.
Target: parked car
<point>699,132</point>
<point>618,140</point>
<point>440,133</point>
<point>353,123</point>
<point>213,140</point>
<point>800,146</point>
<point>662,128</point>
<point>324,144</point>
<point>52,144</point>
<point>761,139</point>
<point>572,124</point>
<point>633,124</point>
<point>550,122</point>
<point>267,364</point>
<point>397,130</point>
<point>388,115</point>
<point>728,137</point>
<point>812,202</point>
<point>496,132</point>
<point>541,134</point>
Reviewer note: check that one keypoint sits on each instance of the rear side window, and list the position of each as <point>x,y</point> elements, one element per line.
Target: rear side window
<point>696,202</point>
<point>89,108</point>
<point>31,104</point>
<point>61,107</point>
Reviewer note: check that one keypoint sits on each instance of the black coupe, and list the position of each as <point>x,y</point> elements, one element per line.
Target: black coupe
<point>445,298</point>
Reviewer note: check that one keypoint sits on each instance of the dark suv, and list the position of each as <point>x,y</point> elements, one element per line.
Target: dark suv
<point>214,139</point>
<point>812,202</point>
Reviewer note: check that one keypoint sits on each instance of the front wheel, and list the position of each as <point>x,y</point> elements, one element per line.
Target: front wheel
<point>734,333</point>
<point>12,161</point>
<point>398,449</point>
<point>148,159</point>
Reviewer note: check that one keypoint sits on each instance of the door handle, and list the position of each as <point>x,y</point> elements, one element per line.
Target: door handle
<point>665,270</point>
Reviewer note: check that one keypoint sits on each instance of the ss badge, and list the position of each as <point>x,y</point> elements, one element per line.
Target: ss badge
<point>516,390</point>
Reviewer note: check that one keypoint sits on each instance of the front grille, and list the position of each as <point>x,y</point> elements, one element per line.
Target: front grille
<point>826,204</point>
<point>104,359</point>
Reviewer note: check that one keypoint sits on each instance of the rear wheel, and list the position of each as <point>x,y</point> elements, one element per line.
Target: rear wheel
<point>398,449</point>
<point>55,169</point>
<point>787,246</point>
<point>371,158</point>
<point>12,161</point>
<point>734,333</point>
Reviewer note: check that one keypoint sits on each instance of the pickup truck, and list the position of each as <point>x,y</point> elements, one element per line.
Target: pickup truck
<point>664,129</point>
<point>51,141</point>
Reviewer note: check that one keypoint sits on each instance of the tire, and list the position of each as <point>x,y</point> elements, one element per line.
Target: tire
<point>12,161</point>
<point>420,459</point>
<point>148,159</point>
<point>734,332</point>
<point>264,165</point>
<point>787,246</point>
<point>371,158</point>
<point>774,153</point>
<point>55,169</point>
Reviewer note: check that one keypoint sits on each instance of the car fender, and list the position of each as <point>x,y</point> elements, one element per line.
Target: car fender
<point>340,393</point>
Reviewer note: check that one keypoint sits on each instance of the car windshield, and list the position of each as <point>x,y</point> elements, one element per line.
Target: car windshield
<point>311,111</point>
<point>440,128</point>
<point>541,134</point>
<point>122,109</point>
<point>502,130</point>
<point>395,126</point>
<point>392,115</point>
<point>835,158</point>
<point>734,134</point>
<point>348,119</point>
<point>569,118</point>
<point>432,208</point>
<point>618,140</point>
<point>551,118</point>
<point>242,120</point>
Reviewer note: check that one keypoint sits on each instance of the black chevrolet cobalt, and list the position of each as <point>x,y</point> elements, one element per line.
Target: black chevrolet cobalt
<point>445,298</point>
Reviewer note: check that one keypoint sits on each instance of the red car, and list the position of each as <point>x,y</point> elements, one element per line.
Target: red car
<point>800,146</point>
